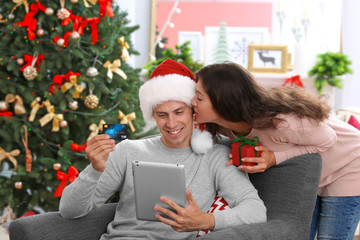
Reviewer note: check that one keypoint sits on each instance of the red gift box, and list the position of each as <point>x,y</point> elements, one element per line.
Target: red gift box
<point>244,148</point>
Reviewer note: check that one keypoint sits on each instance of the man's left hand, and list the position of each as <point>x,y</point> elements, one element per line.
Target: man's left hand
<point>185,219</point>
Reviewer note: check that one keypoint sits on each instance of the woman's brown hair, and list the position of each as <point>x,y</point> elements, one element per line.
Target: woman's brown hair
<point>236,96</point>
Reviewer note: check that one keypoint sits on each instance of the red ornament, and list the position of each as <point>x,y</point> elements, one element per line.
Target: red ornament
<point>77,148</point>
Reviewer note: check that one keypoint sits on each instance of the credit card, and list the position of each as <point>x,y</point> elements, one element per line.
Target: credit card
<point>116,131</point>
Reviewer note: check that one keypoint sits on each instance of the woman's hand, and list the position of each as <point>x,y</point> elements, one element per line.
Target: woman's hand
<point>262,163</point>
<point>185,219</point>
<point>98,149</point>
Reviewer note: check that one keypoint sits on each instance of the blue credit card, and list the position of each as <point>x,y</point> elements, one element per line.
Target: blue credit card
<point>116,131</point>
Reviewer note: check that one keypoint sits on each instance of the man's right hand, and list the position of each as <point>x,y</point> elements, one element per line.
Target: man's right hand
<point>98,149</point>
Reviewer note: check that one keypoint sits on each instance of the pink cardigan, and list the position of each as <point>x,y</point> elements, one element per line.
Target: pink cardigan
<point>337,142</point>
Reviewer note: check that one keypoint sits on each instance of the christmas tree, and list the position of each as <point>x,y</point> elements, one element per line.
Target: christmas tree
<point>222,52</point>
<point>63,74</point>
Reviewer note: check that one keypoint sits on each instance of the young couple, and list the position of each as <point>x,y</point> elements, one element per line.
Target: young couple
<point>288,122</point>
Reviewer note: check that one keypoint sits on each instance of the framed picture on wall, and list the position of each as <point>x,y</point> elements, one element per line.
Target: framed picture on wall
<point>237,42</point>
<point>268,58</point>
<point>196,44</point>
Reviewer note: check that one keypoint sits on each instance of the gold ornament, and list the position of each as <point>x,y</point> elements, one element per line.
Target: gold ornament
<point>73,105</point>
<point>127,119</point>
<point>91,101</point>
<point>63,124</point>
<point>17,100</point>
<point>18,185</point>
<point>60,42</point>
<point>49,11</point>
<point>56,166</point>
<point>20,61</point>
<point>62,13</point>
<point>30,73</point>
<point>114,67</point>
<point>75,35</point>
<point>10,155</point>
<point>73,83</point>
<point>40,32</point>
<point>57,118</point>
<point>95,129</point>
<point>92,72</point>
<point>3,106</point>
<point>73,1</point>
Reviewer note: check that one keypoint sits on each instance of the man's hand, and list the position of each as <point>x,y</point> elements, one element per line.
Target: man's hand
<point>98,149</point>
<point>185,219</point>
<point>264,162</point>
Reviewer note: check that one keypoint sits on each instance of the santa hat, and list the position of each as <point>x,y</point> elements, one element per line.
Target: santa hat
<point>172,81</point>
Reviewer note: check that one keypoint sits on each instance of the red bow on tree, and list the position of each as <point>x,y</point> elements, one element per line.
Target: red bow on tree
<point>294,80</point>
<point>6,114</point>
<point>58,80</point>
<point>93,24</point>
<point>64,178</point>
<point>29,61</point>
<point>29,20</point>
<point>77,148</point>
<point>72,18</point>
<point>105,8</point>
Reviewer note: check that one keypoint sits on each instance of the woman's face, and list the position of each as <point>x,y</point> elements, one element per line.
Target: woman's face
<point>203,108</point>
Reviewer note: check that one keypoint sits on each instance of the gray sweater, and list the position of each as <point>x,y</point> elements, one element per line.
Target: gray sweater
<point>207,175</point>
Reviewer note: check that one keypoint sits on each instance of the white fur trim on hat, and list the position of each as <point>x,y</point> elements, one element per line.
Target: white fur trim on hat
<point>170,87</point>
<point>201,141</point>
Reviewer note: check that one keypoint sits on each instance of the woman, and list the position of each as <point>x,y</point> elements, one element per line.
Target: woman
<point>289,122</point>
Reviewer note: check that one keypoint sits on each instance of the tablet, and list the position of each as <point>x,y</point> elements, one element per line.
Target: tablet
<point>152,180</point>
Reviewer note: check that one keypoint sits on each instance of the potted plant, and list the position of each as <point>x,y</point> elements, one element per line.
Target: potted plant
<point>329,68</point>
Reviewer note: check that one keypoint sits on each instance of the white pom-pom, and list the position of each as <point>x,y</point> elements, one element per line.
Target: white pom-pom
<point>201,141</point>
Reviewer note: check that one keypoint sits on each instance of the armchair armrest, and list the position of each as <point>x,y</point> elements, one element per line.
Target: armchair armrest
<point>53,226</point>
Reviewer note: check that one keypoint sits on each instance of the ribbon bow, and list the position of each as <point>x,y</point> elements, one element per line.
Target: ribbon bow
<point>17,100</point>
<point>105,8</point>
<point>29,21</point>
<point>64,178</point>
<point>58,80</point>
<point>6,114</point>
<point>93,2</point>
<point>294,80</point>
<point>73,83</point>
<point>253,142</point>
<point>127,119</point>
<point>35,106</point>
<point>31,61</point>
<point>124,51</point>
<point>114,67</point>
<point>94,29</point>
<point>19,2</point>
<point>95,129</point>
<point>51,116</point>
<point>10,156</point>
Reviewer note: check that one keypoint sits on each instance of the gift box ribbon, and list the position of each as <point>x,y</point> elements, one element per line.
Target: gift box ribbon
<point>64,178</point>
<point>253,142</point>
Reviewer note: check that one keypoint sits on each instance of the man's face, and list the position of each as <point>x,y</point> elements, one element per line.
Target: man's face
<point>174,120</point>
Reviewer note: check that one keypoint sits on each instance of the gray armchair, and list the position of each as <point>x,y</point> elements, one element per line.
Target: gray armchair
<point>288,190</point>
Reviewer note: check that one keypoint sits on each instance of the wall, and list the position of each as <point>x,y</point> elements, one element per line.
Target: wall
<point>196,15</point>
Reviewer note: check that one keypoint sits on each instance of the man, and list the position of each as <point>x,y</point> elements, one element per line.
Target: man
<point>166,99</point>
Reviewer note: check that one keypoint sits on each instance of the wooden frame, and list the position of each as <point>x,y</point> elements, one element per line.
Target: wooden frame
<point>268,58</point>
